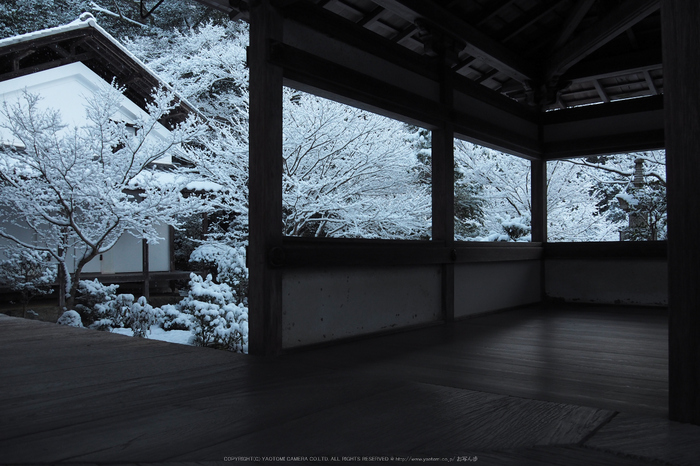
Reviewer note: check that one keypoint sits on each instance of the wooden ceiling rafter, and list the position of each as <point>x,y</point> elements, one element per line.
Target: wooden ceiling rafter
<point>650,82</point>
<point>529,19</point>
<point>627,14</point>
<point>477,43</point>
<point>371,16</point>
<point>530,51</point>
<point>576,15</point>
<point>494,12</point>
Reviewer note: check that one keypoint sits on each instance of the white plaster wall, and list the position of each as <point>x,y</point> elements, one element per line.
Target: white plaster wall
<point>490,286</point>
<point>608,281</point>
<point>127,255</point>
<point>332,303</point>
<point>67,88</point>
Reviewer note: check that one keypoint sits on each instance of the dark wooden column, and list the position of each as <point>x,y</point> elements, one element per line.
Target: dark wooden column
<point>265,202</point>
<point>681,37</point>
<point>538,211</point>
<point>443,193</point>
<point>538,200</point>
<point>146,269</point>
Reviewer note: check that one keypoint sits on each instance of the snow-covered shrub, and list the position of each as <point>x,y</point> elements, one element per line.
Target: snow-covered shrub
<point>141,317</point>
<point>170,318</point>
<point>70,318</point>
<point>517,229</point>
<point>27,272</point>
<point>218,321</point>
<point>103,309</point>
<point>227,262</point>
<point>93,301</point>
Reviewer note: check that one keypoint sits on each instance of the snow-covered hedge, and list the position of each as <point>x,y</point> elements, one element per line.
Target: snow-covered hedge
<point>218,320</point>
<point>211,312</point>
<point>227,265</point>
<point>71,319</point>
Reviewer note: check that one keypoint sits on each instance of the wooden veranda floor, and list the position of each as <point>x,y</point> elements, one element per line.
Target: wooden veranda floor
<point>568,385</point>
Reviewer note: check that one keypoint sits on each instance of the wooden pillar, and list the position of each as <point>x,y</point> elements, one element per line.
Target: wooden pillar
<point>146,269</point>
<point>443,193</point>
<point>538,212</point>
<point>681,43</point>
<point>538,200</point>
<point>265,201</point>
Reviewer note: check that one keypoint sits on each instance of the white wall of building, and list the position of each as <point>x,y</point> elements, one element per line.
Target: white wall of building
<point>67,89</point>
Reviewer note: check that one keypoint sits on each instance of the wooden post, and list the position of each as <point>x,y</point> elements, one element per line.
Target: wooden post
<point>538,212</point>
<point>265,201</point>
<point>538,200</point>
<point>443,194</point>
<point>145,268</point>
<point>61,286</point>
<point>681,52</point>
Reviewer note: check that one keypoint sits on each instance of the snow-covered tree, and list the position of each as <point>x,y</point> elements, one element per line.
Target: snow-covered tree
<point>349,173</point>
<point>494,195</point>
<point>582,195</point>
<point>206,65</point>
<point>633,192</point>
<point>77,190</point>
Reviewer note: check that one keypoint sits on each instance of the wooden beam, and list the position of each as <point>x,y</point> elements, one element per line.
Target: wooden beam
<point>310,73</point>
<point>682,100</point>
<point>335,252</point>
<point>607,250</point>
<point>576,15</point>
<point>626,15</point>
<point>601,92</point>
<point>361,38</point>
<point>371,17</point>
<point>529,18</point>
<point>494,11</point>
<point>650,82</point>
<point>477,43</point>
<point>265,288</point>
<point>613,66</point>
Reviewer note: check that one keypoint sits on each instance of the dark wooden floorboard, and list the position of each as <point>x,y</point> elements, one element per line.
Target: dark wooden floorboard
<point>613,358</point>
<point>572,385</point>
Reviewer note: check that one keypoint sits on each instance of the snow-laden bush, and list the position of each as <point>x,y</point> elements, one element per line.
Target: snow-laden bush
<point>517,229</point>
<point>170,318</point>
<point>103,309</point>
<point>141,317</point>
<point>218,321</point>
<point>93,301</point>
<point>227,262</point>
<point>29,273</point>
<point>70,318</point>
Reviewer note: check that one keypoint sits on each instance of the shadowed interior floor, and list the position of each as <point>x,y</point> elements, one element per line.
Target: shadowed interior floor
<point>567,385</point>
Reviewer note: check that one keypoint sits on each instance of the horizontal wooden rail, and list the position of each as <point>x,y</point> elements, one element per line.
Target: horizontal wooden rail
<point>302,252</point>
<point>606,250</point>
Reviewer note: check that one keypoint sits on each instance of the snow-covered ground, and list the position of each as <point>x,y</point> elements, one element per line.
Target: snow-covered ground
<point>182,337</point>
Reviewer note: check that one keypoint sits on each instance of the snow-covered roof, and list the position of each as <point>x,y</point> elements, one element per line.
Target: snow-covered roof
<point>83,21</point>
<point>103,51</point>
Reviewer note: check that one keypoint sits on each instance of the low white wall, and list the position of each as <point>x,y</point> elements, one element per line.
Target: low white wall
<point>332,303</point>
<point>608,281</point>
<point>490,286</point>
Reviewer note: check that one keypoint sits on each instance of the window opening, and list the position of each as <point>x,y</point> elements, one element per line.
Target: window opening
<point>619,197</point>
<point>349,173</point>
<point>492,195</point>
